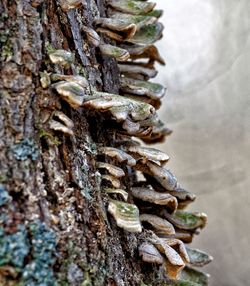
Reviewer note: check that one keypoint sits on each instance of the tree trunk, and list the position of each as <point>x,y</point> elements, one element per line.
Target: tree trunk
<point>55,229</point>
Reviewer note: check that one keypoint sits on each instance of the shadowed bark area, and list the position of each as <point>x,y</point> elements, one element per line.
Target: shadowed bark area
<point>50,189</point>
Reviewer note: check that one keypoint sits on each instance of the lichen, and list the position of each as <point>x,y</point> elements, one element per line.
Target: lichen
<point>14,247</point>
<point>39,271</point>
<point>4,196</point>
<point>36,244</point>
<point>26,149</point>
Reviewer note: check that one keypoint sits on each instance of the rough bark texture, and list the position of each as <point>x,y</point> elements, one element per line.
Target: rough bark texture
<point>53,187</point>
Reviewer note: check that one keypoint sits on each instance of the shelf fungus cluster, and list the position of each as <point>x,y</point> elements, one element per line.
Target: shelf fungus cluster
<point>154,205</point>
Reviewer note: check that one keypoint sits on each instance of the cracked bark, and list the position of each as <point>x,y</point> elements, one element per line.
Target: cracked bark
<point>50,176</point>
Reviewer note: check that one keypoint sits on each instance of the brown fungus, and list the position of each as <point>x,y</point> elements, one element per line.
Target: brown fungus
<point>116,29</point>
<point>82,81</point>
<point>151,196</point>
<point>113,170</point>
<point>187,220</point>
<point>92,36</point>
<point>112,51</point>
<point>179,246</point>
<point>173,261</point>
<point>137,71</point>
<point>68,5</point>
<point>144,52</point>
<point>71,92</point>
<point>61,57</point>
<point>160,225</point>
<point>150,254</point>
<point>110,102</point>
<point>58,126</point>
<point>112,180</point>
<point>140,87</point>
<point>160,174</point>
<point>118,154</point>
<point>148,154</point>
<point>121,192</point>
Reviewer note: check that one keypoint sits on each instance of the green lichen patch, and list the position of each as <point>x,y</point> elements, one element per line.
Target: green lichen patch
<point>26,149</point>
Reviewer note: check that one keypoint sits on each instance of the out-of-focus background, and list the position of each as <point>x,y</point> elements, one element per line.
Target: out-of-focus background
<point>206,46</point>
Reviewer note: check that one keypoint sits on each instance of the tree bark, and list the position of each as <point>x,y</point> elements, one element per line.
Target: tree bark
<point>51,179</point>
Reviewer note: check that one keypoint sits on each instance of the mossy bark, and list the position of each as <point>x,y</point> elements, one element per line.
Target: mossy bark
<point>50,179</point>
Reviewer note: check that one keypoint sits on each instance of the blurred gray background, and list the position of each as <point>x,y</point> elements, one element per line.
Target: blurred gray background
<point>206,46</point>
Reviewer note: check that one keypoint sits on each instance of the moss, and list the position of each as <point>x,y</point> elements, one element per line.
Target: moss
<point>53,139</point>
<point>49,48</point>
<point>26,149</point>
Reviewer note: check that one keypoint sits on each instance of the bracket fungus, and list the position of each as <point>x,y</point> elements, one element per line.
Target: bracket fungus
<point>174,262</point>
<point>113,170</point>
<point>160,225</point>
<point>121,192</point>
<point>197,277</point>
<point>61,57</point>
<point>71,92</point>
<point>150,254</point>
<point>127,33</point>
<point>198,258</point>
<point>80,80</point>
<point>160,174</point>
<point>63,123</point>
<point>151,196</point>
<point>138,20</point>
<point>118,154</point>
<point>68,5</point>
<point>116,29</point>
<point>187,220</point>
<point>92,36</point>
<point>137,71</point>
<point>112,180</point>
<point>126,215</point>
<point>147,35</point>
<point>140,87</point>
<point>112,51</point>
<point>132,6</point>
<point>144,52</point>
<point>148,154</point>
